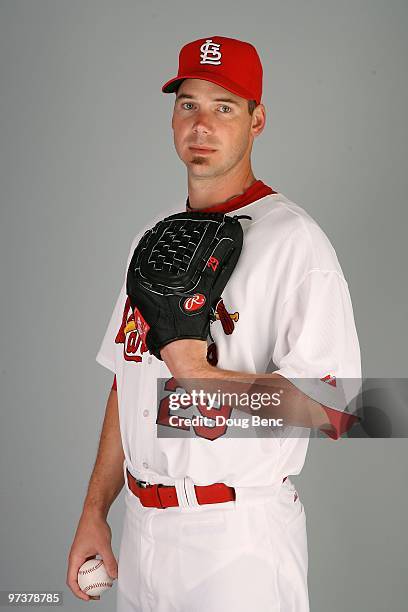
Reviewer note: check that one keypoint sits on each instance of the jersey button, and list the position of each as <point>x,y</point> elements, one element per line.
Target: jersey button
<point>145,413</point>
<point>149,360</point>
<point>145,465</point>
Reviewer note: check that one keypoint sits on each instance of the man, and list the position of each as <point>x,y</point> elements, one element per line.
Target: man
<point>215,524</point>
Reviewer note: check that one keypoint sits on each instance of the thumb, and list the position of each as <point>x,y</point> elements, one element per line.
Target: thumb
<point>110,563</point>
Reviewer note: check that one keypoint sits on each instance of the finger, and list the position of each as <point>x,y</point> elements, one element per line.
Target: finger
<point>72,577</point>
<point>110,563</point>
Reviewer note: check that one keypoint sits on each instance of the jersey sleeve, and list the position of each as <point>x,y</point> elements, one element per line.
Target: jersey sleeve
<point>317,346</point>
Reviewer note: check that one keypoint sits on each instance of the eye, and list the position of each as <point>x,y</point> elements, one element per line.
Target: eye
<point>188,104</point>
<point>227,107</point>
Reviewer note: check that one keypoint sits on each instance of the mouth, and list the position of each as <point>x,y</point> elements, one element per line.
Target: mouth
<point>202,150</point>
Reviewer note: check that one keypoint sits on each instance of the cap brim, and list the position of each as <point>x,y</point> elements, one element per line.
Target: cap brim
<point>172,85</point>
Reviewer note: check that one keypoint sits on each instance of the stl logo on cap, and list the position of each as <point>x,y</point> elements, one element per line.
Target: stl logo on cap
<point>228,62</point>
<point>210,53</point>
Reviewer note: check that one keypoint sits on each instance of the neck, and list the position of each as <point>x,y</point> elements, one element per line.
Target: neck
<point>204,193</point>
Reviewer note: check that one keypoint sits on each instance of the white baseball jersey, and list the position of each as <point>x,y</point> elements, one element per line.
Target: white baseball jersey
<point>292,314</point>
<point>295,318</point>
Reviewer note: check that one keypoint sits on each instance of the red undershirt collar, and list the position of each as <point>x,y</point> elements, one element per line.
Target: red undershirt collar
<point>254,192</point>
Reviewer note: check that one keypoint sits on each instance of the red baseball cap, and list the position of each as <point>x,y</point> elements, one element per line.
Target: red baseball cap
<point>230,63</point>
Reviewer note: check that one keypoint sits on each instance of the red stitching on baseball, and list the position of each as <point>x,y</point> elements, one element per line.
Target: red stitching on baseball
<point>97,584</point>
<point>92,569</point>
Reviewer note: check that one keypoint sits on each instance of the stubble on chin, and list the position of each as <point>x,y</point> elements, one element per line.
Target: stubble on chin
<point>199,161</point>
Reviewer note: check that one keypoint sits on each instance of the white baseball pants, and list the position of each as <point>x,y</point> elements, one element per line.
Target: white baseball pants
<point>247,554</point>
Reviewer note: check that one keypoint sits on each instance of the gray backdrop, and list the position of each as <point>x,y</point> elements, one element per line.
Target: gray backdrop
<point>87,158</point>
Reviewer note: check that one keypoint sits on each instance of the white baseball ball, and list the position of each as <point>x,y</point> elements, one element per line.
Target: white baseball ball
<point>93,579</point>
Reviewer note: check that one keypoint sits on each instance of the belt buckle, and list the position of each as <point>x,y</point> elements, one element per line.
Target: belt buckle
<point>143,484</point>
<point>154,489</point>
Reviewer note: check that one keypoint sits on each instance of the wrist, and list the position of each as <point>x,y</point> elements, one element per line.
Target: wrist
<point>199,369</point>
<point>95,511</point>
<point>186,358</point>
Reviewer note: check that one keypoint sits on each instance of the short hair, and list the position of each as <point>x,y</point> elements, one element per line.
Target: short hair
<point>252,104</point>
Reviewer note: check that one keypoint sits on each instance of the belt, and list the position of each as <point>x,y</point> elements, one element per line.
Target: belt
<point>163,496</point>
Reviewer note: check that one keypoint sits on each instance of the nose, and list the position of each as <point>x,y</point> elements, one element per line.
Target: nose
<point>202,124</point>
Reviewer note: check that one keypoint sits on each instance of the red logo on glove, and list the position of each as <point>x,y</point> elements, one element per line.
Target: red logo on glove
<point>213,263</point>
<point>195,302</point>
<point>141,325</point>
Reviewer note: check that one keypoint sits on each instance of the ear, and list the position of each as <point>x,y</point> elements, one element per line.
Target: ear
<point>258,120</point>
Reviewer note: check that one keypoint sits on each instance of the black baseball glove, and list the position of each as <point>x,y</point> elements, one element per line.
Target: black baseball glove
<point>177,274</point>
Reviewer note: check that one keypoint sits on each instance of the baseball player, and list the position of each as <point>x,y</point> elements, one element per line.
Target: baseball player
<point>213,522</point>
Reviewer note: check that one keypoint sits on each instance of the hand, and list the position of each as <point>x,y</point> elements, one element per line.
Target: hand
<point>93,537</point>
<point>187,358</point>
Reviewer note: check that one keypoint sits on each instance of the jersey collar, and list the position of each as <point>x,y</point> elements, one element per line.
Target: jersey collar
<point>254,192</point>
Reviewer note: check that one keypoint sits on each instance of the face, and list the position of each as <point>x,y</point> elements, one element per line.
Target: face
<point>207,115</point>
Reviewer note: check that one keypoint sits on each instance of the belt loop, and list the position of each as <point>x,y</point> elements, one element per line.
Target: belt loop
<point>245,495</point>
<point>181,493</point>
<point>190,492</point>
<point>156,493</point>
